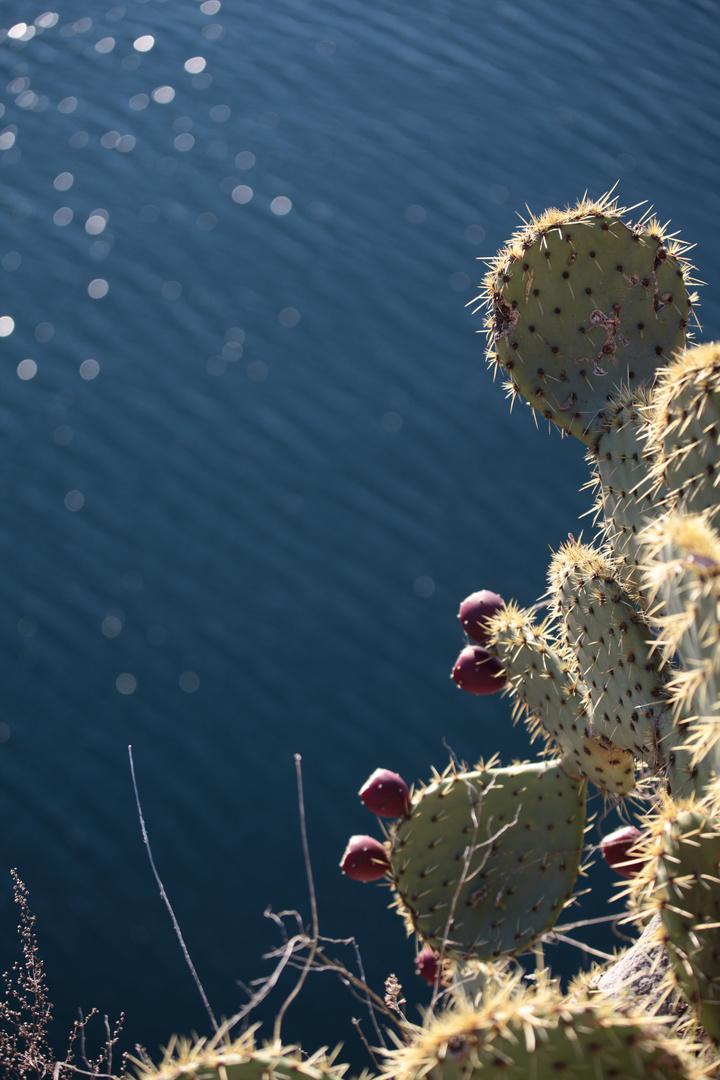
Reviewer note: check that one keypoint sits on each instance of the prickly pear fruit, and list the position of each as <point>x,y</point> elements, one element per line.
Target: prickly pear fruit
<point>427,964</point>
<point>364,859</point>
<point>474,612</point>
<point>486,861</point>
<point>385,794</point>
<point>581,302</point>
<point>616,849</point>
<point>478,671</point>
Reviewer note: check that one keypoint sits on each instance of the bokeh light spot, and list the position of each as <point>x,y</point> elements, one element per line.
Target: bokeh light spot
<point>89,369</point>
<point>126,683</point>
<point>281,205</point>
<point>98,288</point>
<point>171,290</point>
<point>391,421</point>
<point>423,586</point>
<point>163,94</point>
<point>242,194</point>
<point>63,181</point>
<point>415,214</point>
<point>195,64</point>
<point>74,500</point>
<point>96,223</point>
<point>144,43</point>
<point>7,325</point>
<point>189,682</point>
<point>27,369</point>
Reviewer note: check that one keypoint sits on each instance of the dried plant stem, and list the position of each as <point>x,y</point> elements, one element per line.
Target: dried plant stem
<point>313,905</point>
<point>166,901</point>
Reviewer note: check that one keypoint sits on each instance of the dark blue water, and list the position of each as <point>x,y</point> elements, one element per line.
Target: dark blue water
<point>251,456</point>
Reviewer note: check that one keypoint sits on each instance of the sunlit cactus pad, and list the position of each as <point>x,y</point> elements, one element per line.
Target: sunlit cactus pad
<point>486,860</point>
<point>239,1059</point>
<point>581,302</point>
<point>518,1031</point>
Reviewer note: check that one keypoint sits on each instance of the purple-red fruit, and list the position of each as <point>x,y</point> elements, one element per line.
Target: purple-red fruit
<point>427,964</point>
<point>364,859</point>
<point>479,671</point>
<point>617,851</point>
<point>386,794</point>
<point>475,611</point>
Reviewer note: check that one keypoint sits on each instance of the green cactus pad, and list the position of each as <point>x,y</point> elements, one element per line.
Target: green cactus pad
<point>486,860</point>
<point>687,892</point>
<point>581,303</point>
<point>613,643</point>
<point>547,687</point>
<point>623,479</point>
<point>239,1059</point>
<point>684,431</point>
<point>682,580</point>
<point>518,1031</point>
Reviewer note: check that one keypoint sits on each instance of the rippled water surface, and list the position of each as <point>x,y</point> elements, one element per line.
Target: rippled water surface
<point>251,455</point>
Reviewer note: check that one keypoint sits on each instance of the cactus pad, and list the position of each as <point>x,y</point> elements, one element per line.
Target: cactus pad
<point>581,302</point>
<point>546,683</point>
<point>518,1031</point>
<point>684,430</point>
<point>687,892</point>
<point>623,480</point>
<point>239,1059</point>
<point>486,860</point>
<point>614,647</point>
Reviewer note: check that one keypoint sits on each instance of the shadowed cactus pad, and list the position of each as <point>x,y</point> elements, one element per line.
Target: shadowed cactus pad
<point>581,302</point>
<point>687,894</point>
<point>486,860</point>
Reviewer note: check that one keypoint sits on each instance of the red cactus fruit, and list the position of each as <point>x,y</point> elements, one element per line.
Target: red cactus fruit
<point>617,851</point>
<point>364,859</point>
<point>479,671</point>
<point>386,794</point>
<point>427,964</point>
<point>474,612</point>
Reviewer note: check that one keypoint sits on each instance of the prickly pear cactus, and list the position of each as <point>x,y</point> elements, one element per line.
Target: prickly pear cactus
<point>582,303</point>
<point>485,861</point>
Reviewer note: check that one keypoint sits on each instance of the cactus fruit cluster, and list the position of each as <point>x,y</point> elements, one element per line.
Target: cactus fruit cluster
<point>587,318</point>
